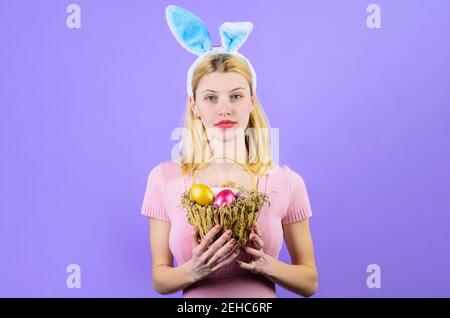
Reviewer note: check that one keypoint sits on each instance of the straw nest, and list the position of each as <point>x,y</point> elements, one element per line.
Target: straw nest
<point>239,216</point>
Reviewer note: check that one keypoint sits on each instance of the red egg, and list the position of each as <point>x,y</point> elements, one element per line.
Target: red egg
<point>224,197</point>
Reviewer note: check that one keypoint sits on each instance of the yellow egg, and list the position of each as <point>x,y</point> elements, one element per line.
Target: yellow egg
<point>201,194</point>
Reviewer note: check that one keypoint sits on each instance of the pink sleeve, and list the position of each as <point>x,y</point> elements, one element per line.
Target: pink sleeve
<point>299,206</point>
<point>153,205</point>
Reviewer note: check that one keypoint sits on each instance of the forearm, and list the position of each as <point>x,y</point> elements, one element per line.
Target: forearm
<point>300,279</point>
<point>168,279</point>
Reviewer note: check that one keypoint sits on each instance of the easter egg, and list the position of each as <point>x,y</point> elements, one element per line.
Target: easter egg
<point>218,189</point>
<point>201,194</point>
<point>224,197</point>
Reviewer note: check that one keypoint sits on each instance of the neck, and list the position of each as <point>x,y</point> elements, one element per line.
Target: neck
<point>234,150</point>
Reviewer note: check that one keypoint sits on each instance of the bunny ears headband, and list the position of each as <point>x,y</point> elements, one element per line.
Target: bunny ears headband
<point>193,35</point>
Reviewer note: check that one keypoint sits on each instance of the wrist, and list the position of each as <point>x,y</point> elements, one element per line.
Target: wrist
<point>271,267</point>
<point>188,272</point>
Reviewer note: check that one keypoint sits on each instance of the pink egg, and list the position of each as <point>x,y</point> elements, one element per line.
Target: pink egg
<point>224,197</point>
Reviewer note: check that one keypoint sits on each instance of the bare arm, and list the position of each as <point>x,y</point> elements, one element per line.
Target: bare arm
<point>206,258</point>
<point>166,279</point>
<point>301,277</point>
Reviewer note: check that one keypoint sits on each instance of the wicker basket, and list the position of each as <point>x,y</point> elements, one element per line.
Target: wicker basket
<point>239,216</point>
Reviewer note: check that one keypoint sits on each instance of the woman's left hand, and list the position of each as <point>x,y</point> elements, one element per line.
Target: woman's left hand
<point>261,263</point>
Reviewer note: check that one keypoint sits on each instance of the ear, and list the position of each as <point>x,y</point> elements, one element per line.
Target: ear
<point>188,29</point>
<point>234,34</point>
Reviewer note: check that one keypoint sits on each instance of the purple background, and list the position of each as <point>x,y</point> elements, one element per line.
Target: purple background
<point>86,113</point>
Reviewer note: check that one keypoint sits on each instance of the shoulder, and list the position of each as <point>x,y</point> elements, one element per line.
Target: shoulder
<point>284,172</point>
<point>168,169</point>
<point>286,177</point>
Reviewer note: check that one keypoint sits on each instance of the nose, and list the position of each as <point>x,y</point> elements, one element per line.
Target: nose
<point>224,108</point>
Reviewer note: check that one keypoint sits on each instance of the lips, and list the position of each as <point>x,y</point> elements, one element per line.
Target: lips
<point>226,124</point>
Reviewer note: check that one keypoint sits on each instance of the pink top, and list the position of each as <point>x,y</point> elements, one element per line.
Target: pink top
<point>289,203</point>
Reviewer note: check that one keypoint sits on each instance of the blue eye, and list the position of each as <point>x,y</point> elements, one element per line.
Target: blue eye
<point>240,97</point>
<point>208,98</point>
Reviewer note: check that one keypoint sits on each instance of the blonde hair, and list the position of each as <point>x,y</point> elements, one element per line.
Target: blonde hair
<point>257,143</point>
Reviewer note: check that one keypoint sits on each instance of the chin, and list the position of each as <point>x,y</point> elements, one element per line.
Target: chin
<point>220,134</point>
<point>229,137</point>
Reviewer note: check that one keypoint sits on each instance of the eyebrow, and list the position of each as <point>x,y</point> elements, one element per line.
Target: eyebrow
<point>234,89</point>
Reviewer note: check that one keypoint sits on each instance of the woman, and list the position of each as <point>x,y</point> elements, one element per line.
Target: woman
<point>224,119</point>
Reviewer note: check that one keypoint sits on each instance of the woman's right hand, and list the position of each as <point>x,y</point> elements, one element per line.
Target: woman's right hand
<point>208,257</point>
